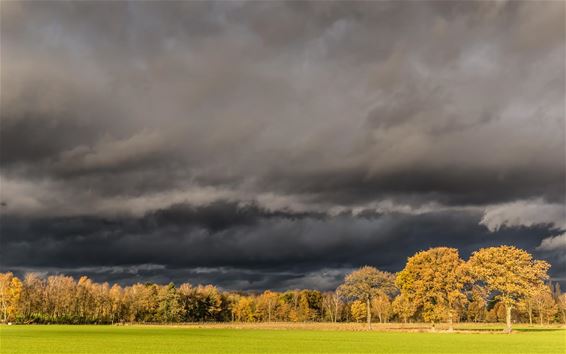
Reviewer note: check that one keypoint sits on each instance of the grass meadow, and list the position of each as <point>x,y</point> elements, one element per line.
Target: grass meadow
<point>276,338</point>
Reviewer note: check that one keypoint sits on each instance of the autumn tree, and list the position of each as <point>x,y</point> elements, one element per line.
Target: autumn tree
<point>169,309</point>
<point>381,306</point>
<point>561,302</point>
<point>10,293</point>
<point>496,313</point>
<point>365,284</point>
<point>33,304</point>
<point>403,307</point>
<point>358,310</point>
<point>310,305</point>
<point>544,303</point>
<point>290,305</point>
<point>244,309</point>
<point>116,295</point>
<point>332,304</point>
<point>84,299</point>
<point>134,297</point>
<point>283,310</point>
<point>477,306</point>
<point>266,305</point>
<point>103,303</point>
<point>60,293</point>
<point>509,274</point>
<point>434,280</point>
<point>200,303</point>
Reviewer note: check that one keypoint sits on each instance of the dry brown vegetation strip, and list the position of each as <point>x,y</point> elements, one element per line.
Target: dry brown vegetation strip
<point>352,326</point>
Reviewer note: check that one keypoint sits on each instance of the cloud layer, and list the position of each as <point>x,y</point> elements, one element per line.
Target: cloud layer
<point>171,137</point>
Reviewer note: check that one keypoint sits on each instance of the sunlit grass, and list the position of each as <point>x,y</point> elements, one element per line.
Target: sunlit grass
<point>287,339</point>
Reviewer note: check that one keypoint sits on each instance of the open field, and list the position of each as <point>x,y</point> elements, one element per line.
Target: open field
<point>280,338</point>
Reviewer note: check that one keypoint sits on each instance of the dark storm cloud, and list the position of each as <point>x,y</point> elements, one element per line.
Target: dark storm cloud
<point>342,102</point>
<point>136,133</point>
<point>243,246</point>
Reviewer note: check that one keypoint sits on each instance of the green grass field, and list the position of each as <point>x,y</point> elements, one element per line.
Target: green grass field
<point>163,339</point>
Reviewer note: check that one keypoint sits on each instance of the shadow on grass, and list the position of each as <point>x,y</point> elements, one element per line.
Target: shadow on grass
<point>497,330</point>
<point>538,329</point>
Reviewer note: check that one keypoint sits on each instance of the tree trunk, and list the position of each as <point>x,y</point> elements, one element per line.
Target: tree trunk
<point>336,313</point>
<point>450,326</point>
<point>508,318</point>
<point>368,313</point>
<point>530,315</point>
<point>336,306</point>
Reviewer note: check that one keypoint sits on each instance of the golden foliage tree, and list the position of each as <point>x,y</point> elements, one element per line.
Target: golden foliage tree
<point>434,281</point>
<point>244,310</point>
<point>381,306</point>
<point>561,302</point>
<point>509,274</point>
<point>477,307</point>
<point>544,303</point>
<point>365,284</point>
<point>10,293</point>
<point>265,307</point>
<point>358,310</point>
<point>403,307</point>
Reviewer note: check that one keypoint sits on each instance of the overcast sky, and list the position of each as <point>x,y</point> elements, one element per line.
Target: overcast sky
<point>277,145</point>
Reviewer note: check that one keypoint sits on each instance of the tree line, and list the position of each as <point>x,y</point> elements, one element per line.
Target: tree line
<point>497,284</point>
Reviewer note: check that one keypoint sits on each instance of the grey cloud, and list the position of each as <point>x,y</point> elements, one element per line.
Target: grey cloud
<point>554,243</point>
<point>245,244</point>
<point>525,213</point>
<point>279,105</point>
<point>136,132</point>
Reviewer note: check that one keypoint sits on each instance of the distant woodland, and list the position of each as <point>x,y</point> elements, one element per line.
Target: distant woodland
<point>497,284</point>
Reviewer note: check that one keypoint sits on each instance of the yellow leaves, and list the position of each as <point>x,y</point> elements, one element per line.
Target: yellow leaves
<point>10,293</point>
<point>436,284</point>
<point>434,280</point>
<point>381,306</point>
<point>509,272</point>
<point>265,305</point>
<point>244,310</point>
<point>358,309</point>
<point>366,283</point>
<point>403,307</point>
